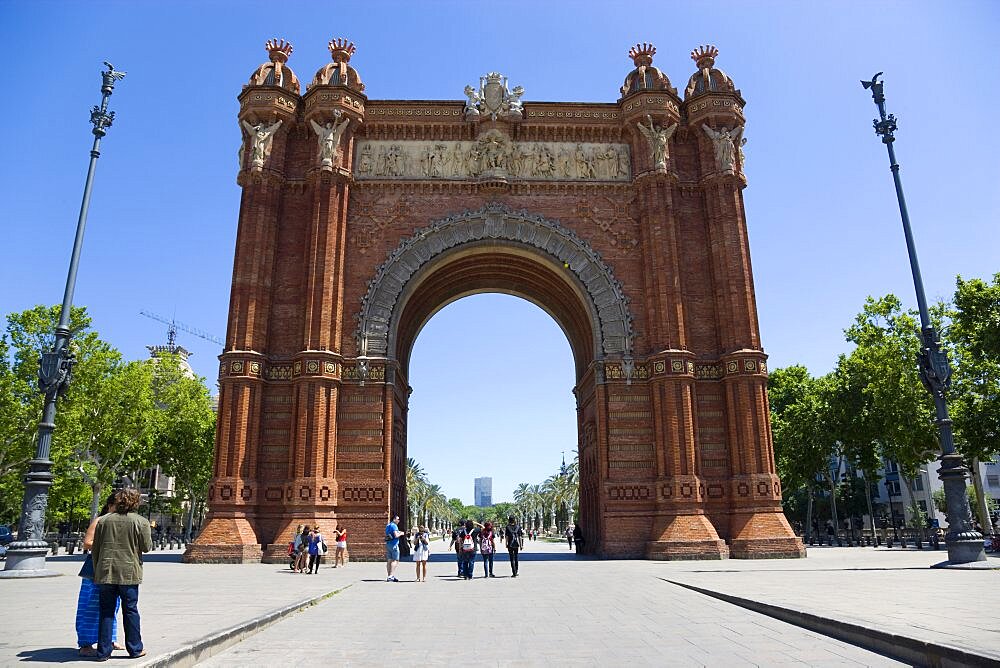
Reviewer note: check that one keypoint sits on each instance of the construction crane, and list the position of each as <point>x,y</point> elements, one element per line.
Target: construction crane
<point>173,326</point>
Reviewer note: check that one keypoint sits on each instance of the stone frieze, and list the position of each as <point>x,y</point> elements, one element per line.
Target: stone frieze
<point>492,156</point>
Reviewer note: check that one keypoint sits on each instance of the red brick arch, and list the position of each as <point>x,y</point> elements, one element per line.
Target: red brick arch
<point>623,220</point>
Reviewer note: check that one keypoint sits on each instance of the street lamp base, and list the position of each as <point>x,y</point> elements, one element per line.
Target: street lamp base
<point>27,562</point>
<point>965,554</point>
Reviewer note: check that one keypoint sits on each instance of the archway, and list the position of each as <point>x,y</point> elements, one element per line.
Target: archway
<point>495,249</point>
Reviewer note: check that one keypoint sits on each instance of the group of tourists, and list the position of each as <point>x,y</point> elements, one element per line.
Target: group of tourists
<point>110,578</point>
<point>468,539</point>
<point>308,547</point>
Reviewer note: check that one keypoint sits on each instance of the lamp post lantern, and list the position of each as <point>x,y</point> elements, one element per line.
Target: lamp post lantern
<point>26,556</point>
<point>965,544</point>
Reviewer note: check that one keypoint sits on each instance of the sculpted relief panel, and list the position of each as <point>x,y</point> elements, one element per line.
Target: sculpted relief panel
<point>493,155</point>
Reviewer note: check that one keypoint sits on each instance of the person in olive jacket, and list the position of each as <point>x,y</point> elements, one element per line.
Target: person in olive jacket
<point>119,541</point>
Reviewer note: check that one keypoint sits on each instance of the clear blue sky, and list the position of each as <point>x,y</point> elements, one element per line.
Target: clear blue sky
<point>823,222</point>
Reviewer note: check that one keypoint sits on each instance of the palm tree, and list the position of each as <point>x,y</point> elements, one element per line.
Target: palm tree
<point>415,484</point>
<point>428,495</point>
<point>550,498</point>
<point>522,497</point>
<point>536,503</point>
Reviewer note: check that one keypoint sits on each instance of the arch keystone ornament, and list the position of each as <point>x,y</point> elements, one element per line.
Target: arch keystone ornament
<point>618,219</point>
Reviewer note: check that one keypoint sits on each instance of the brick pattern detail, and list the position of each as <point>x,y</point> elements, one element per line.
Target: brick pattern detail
<point>676,457</point>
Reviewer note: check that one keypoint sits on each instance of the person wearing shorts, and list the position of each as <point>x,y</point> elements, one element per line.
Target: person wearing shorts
<point>340,535</point>
<point>392,534</point>
<point>421,552</point>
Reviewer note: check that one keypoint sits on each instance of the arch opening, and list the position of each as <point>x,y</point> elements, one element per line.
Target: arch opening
<point>490,267</point>
<point>480,407</point>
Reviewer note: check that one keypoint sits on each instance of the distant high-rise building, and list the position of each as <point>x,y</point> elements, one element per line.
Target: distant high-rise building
<point>484,492</point>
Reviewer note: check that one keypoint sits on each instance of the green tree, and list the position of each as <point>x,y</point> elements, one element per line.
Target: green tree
<point>804,444</point>
<point>898,408</point>
<point>977,316</point>
<point>18,424</point>
<point>28,334</point>
<point>114,430</point>
<point>184,433</point>
<point>974,337</point>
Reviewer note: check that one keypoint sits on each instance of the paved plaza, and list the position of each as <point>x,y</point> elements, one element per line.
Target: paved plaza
<point>561,610</point>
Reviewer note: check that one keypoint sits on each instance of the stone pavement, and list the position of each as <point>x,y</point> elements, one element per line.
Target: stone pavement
<point>561,610</point>
<point>892,591</point>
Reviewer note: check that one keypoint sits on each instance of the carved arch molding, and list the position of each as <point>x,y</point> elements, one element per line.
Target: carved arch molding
<point>608,305</point>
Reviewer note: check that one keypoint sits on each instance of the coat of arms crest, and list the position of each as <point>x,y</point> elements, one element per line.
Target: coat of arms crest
<point>493,98</point>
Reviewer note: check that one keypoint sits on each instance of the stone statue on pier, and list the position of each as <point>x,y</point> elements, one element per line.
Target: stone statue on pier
<point>261,137</point>
<point>328,136</point>
<point>727,143</point>
<point>658,139</point>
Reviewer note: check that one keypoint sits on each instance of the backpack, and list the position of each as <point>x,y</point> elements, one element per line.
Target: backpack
<point>486,544</point>
<point>468,543</point>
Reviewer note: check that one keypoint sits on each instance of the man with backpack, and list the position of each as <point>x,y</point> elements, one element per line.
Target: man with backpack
<point>513,536</point>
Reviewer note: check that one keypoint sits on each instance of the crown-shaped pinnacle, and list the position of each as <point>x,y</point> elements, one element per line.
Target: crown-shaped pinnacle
<point>278,49</point>
<point>704,56</point>
<point>642,54</point>
<point>341,49</point>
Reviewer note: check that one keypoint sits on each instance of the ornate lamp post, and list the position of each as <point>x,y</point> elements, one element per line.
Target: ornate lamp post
<point>26,556</point>
<point>965,544</point>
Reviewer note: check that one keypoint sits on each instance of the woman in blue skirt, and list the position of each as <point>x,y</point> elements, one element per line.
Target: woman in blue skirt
<point>88,602</point>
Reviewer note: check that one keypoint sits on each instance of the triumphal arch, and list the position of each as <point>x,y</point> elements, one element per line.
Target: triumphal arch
<point>360,218</point>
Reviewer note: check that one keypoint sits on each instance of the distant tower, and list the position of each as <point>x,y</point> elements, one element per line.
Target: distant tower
<point>173,349</point>
<point>484,492</point>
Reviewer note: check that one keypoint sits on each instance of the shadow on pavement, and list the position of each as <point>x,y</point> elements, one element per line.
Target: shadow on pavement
<point>51,655</point>
<point>149,557</point>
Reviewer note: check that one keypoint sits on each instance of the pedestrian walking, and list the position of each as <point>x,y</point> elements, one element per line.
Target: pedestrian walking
<point>302,549</point>
<point>316,549</point>
<point>88,603</point>
<point>487,546</point>
<point>578,537</point>
<point>421,552</point>
<point>513,537</point>
<point>340,535</point>
<point>569,536</point>
<point>467,536</point>
<point>119,541</point>
<point>392,534</point>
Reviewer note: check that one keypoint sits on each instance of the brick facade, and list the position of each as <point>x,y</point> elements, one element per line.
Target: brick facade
<point>640,253</point>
